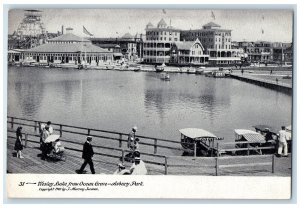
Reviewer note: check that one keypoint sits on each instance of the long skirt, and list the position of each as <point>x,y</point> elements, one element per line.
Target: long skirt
<point>18,145</point>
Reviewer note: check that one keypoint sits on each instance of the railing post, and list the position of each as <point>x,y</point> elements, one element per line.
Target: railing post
<point>89,132</point>
<point>26,138</point>
<point>248,151</point>
<point>123,155</point>
<point>218,149</point>
<point>217,166</point>
<point>60,129</point>
<point>12,122</point>
<point>195,149</point>
<point>166,166</point>
<point>35,126</point>
<point>120,140</point>
<point>273,163</point>
<point>155,146</point>
<point>39,126</point>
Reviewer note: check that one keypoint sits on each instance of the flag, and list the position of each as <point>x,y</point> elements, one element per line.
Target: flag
<point>164,11</point>
<point>86,32</point>
<point>213,15</point>
<point>262,31</point>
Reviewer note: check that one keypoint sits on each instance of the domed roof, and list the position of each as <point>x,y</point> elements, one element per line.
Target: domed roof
<point>127,35</point>
<point>162,23</point>
<point>149,24</point>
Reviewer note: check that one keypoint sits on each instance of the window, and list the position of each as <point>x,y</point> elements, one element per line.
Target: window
<point>165,38</point>
<point>175,39</point>
<point>170,39</point>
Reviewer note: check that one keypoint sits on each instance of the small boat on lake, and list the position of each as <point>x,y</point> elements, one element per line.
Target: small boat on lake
<point>198,142</point>
<point>165,77</point>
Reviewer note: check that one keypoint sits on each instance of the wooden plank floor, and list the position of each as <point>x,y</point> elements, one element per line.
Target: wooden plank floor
<point>32,163</point>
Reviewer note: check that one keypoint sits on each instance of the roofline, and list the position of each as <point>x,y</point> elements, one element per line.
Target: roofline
<point>163,29</point>
<point>206,30</point>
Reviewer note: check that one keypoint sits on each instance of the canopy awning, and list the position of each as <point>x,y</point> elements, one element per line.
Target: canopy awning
<point>196,133</point>
<point>52,138</point>
<point>250,136</point>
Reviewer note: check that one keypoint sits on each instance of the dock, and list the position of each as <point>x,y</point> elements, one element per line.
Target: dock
<point>282,87</point>
<point>158,160</point>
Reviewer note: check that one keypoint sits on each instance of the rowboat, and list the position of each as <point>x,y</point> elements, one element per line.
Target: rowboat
<point>165,77</point>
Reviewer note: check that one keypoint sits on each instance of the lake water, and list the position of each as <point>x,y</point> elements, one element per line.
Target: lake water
<point>114,100</point>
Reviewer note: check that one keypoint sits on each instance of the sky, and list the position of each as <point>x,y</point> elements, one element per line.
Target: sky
<point>277,25</point>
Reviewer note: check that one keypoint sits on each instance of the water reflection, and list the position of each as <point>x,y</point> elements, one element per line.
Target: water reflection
<point>115,101</point>
<point>208,95</point>
<point>30,97</point>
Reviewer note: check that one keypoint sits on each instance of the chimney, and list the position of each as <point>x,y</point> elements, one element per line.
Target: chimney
<point>62,29</point>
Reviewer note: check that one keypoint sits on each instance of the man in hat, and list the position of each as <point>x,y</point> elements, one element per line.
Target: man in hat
<point>282,143</point>
<point>121,170</point>
<point>138,167</point>
<point>87,155</point>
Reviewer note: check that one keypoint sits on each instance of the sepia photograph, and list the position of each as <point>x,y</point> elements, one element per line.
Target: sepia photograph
<point>156,92</point>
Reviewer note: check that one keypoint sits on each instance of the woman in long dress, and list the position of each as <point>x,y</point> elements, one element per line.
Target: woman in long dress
<point>18,143</point>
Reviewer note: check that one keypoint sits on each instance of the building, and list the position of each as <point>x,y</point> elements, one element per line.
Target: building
<point>68,48</point>
<point>116,49</point>
<point>188,53</point>
<point>159,41</point>
<point>216,42</point>
<point>283,53</point>
<point>131,46</point>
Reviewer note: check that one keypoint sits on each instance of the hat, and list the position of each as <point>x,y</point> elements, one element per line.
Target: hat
<point>89,138</point>
<point>135,127</point>
<point>267,129</point>
<point>137,153</point>
<point>49,122</point>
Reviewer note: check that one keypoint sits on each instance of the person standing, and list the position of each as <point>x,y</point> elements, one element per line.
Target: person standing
<point>131,137</point>
<point>44,146</point>
<point>282,146</point>
<point>18,144</point>
<point>50,128</point>
<point>87,155</point>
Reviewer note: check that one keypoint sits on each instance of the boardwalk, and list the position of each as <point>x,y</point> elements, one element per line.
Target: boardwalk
<point>266,82</point>
<point>32,163</point>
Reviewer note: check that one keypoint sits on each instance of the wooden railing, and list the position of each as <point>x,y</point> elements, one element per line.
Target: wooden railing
<point>14,121</point>
<point>249,147</point>
<point>216,164</point>
<point>117,136</point>
<point>61,128</point>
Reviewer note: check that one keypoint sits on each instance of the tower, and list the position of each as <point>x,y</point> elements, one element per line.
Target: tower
<point>31,31</point>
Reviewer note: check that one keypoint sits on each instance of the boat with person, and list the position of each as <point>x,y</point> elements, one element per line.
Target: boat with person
<point>165,77</point>
<point>198,142</point>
